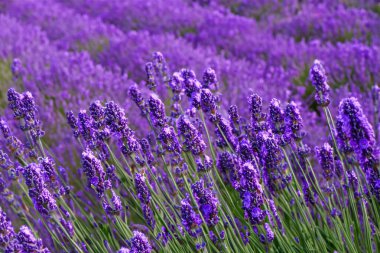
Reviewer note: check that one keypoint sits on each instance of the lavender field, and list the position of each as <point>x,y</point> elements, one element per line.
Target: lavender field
<point>148,126</point>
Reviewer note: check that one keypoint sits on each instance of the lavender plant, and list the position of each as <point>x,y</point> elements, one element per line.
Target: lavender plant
<point>108,145</point>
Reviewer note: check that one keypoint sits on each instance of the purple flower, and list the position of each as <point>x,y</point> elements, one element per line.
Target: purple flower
<point>275,176</point>
<point>255,107</point>
<point>269,237</point>
<point>273,208</point>
<point>123,250</point>
<point>293,121</point>
<point>48,170</point>
<point>140,243</point>
<point>192,138</point>
<point>15,103</point>
<point>342,138</point>
<point>115,208</point>
<point>150,73</point>
<point>276,117</point>
<point>97,111</point>
<point>146,150</point>
<point>17,68</point>
<point>142,189</point>
<point>190,83</point>
<point>357,128</point>
<point>189,218</point>
<point>85,128</point>
<point>115,117</point>
<point>137,97</point>
<point>319,80</point>
<point>210,80</point>
<point>29,242</point>
<point>244,150</point>
<point>7,233</point>
<point>233,114</point>
<point>94,171</point>
<point>207,203</point>
<point>4,129</point>
<point>326,160</point>
<point>157,111</point>
<point>251,194</point>
<point>169,140</point>
<point>208,101</point>
<point>43,200</point>
<point>73,123</point>
<point>176,82</point>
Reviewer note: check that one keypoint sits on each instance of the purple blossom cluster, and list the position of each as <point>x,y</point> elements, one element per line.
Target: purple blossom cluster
<point>182,126</point>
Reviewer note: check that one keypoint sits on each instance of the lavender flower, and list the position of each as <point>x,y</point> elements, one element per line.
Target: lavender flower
<point>175,83</point>
<point>144,196</point>
<point>276,117</point>
<point>273,208</point>
<point>190,83</point>
<point>169,140</point>
<point>326,160</point>
<point>208,101</point>
<point>357,128</point>
<point>210,80</point>
<point>7,233</point>
<point>245,151</point>
<point>95,174</point>
<point>140,243</point>
<point>72,121</point>
<point>17,68</point>
<point>145,148</point>
<point>115,117</point>
<point>15,103</point>
<point>157,111</point>
<point>42,198</point>
<point>269,237</point>
<point>251,194</point>
<point>275,176</point>
<point>85,128</point>
<point>319,80</point>
<point>142,189</point>
<point>293,121</point>
<point>193,139</point>
<point>189,218</point>
<point>137,97</point>
<point>149,69</point>
<point>123,250</point>
<point>362,139</point>
<point>255,108</point>
<point>115,209</point>
<point>207,203</point>
<point>4,129</point>
<point>29,242</point>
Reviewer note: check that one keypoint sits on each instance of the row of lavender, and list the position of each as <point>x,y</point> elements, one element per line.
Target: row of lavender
<point>197,180</point>
<point>257,62</point>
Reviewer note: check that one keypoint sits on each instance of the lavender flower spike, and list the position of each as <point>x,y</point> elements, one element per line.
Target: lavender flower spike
<point>362,139</point>
<point>293,121</point>
<point>6,231</point>
<point>319,80</point>
<point>157,111</point>
<point>207,203</point>
<point>140,243</point>
<point>29,242</point>
<point>326,160</point>
<point>190,219</point>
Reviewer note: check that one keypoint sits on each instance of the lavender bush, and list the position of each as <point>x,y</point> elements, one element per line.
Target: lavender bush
<point>186,126</point>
